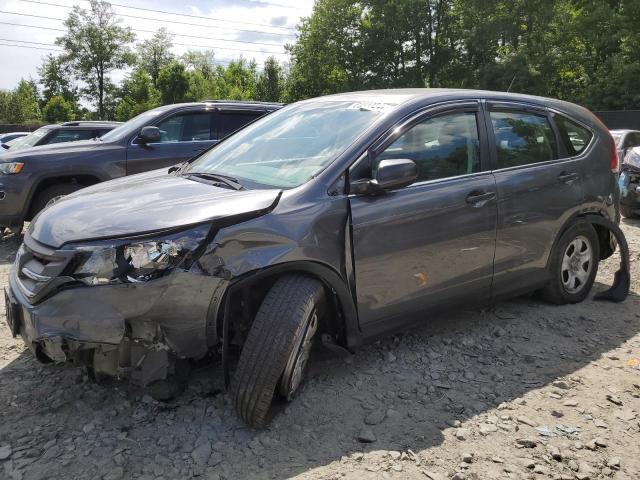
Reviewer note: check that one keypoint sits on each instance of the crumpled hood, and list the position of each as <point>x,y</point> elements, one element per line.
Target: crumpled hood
<point>140,204</point>
<point>71,147</point>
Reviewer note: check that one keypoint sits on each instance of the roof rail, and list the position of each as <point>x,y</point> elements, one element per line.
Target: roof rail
<point>252,102</point>
<point>76,123</point>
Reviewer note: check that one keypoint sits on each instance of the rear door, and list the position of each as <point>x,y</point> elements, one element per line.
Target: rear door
<point>538,188</point>
<point>183,135</point>
<point>430,244</point>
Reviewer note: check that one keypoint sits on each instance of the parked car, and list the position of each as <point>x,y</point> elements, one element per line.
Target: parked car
<point>32,178</point>
<point>625,141</point>
<point>630,184</point>
<point>337,218</point>
<point>62,132</point>
<point>7,137</point>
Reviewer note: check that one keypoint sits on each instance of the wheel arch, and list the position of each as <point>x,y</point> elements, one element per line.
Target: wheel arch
<point>604,236</point>
<point>85,179</point>
<point>340,300</point>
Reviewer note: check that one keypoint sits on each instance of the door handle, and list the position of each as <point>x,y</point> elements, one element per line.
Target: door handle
<point>479,199</point>
<point>568,178</point>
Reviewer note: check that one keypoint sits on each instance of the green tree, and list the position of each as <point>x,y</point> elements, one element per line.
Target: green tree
<point>237,81</point>
<point>95,45</point>
<point>5,102</point>
<point>57,109</point>
<point>202,62</point>
<point>137,95</point>
<point>326,58</point>
<point>173,83</point>
<point>56,80</point>
<point>155,53</point>
<point>23,104</point>
<point>271,80</point>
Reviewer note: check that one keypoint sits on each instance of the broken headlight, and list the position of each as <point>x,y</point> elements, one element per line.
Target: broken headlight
<point>136,260</point>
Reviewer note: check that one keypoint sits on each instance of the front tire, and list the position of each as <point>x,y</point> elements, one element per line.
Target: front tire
<point>52,194</point>
<point>574,265</point>
<point>277,348</point>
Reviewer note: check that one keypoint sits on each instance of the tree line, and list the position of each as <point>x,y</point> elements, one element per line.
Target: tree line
<point>584,51</point>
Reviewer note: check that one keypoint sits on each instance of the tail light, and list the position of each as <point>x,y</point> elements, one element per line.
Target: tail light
<point>614,151</point>
<point>614,155</point>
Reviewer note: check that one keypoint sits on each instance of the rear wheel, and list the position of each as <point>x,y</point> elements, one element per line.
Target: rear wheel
<point>277,348</point>
<point>574,265</point>
<point>627,212</point>
<point>52,194</point>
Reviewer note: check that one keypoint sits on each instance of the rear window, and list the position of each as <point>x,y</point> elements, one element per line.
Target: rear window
<point>68,135</point>
<point>230,122</point>
<point>522,138</point>
<point>574,137</point>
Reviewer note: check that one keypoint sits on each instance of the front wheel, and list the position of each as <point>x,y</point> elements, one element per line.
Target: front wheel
<point>574,265</point>
<point>277,348</point>
<point>51,195</point>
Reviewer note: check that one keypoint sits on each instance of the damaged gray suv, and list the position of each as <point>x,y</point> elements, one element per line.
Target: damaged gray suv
<point>335,219</point>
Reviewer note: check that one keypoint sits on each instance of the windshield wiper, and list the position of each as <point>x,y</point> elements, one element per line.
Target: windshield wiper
<point>217,177</point>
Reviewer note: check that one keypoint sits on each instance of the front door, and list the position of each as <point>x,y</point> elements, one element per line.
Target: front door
<point>182,136</point>
<point>538,190</point>
<point>430,244</point>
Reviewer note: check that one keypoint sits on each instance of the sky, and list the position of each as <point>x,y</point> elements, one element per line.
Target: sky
<point>252,28</point>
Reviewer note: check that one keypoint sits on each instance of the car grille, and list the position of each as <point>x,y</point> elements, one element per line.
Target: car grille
<point>40,269</point>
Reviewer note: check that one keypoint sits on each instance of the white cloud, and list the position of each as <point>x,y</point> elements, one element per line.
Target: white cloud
<point>23,62</point>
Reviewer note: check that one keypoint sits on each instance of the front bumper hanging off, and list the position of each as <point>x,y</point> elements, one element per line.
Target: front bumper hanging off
<point>133,331</point>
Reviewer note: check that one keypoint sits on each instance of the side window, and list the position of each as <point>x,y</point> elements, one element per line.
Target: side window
<point>574,137</point>
<point>442,146</point>
<point>98,133</point>
<point>230,122</point>
<point>523,138</point>
<point>186,127</point>
<point>70,136</point>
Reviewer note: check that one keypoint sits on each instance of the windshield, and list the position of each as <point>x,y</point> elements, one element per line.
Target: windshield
<point>28,140</point>
<point>288,147</point>
<point>131,126</point>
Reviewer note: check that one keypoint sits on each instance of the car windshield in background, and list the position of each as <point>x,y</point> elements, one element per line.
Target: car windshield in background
<point>28,140</point>
<point>633,159</point>
<point>287,148</point>
<point>617,137</point>
<point>130,126</point>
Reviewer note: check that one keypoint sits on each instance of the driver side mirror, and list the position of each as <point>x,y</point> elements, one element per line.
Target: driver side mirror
<point>391,174</point>
<point>149,135</point>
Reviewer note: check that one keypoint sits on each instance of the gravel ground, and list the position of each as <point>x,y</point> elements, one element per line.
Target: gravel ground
<point>522,390</point>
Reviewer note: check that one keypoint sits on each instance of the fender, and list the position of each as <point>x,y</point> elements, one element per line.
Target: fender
<point>331,279</point>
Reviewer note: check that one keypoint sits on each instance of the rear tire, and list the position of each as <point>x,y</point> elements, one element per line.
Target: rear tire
<point>274,355</point>
<point>574,265</point>
<point>54,192</point>
<point>627,212</point>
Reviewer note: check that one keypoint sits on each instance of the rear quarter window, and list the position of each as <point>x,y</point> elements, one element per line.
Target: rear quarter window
<point>574,137</point>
